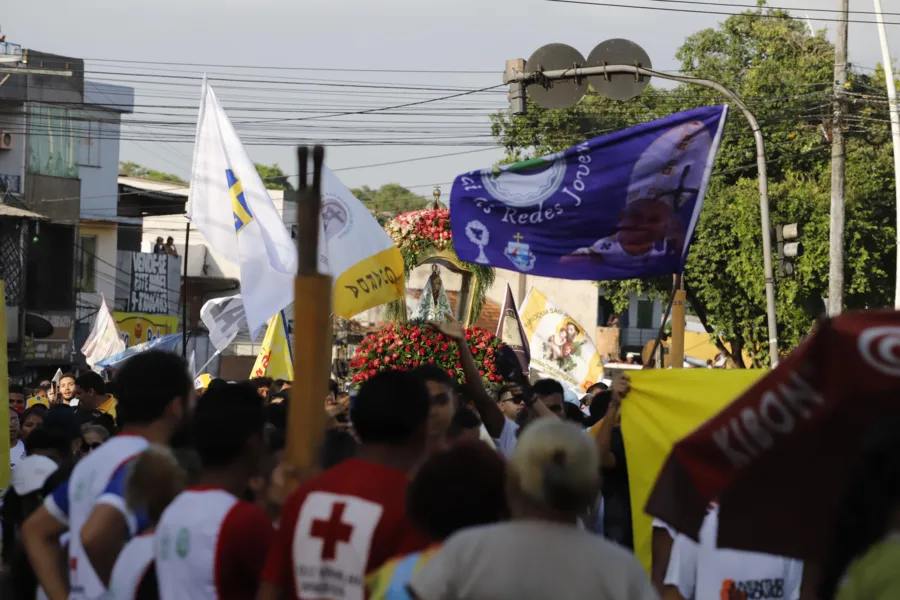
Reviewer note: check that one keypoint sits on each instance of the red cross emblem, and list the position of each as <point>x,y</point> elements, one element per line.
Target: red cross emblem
<point>332,531</point>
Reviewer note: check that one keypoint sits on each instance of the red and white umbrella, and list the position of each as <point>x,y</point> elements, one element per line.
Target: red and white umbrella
<point>778,457</point>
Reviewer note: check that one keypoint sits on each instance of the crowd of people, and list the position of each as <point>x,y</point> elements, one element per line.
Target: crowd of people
<point>426,489</point>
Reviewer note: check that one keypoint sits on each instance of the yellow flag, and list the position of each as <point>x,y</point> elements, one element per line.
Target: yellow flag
<point>560,346</point>
<point>4,395</point>
<point>663,407</point>
<point>366,265</point>
<point>275,360</point>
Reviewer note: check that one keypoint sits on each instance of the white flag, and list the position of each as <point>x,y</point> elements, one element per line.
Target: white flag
<point>224,318</point>
<point>105,339</point>
<point>229,204</point>
<point>192,364</point>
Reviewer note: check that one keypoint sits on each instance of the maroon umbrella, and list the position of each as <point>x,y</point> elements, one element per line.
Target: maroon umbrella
<point>779,456</point>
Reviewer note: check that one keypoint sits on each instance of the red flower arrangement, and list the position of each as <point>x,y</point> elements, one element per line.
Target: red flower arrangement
<point>405,347</point>
<point>421,229</point>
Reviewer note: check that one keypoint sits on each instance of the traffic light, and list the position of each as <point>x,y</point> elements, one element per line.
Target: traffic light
<point>789,247</point>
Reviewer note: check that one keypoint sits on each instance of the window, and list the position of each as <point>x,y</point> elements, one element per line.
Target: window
<point>89,153</point>
<point>645,314</point>
<point>51,142</point>
<point>87,271</point>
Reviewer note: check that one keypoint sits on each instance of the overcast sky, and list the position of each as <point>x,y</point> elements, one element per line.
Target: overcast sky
<point>425,35</point>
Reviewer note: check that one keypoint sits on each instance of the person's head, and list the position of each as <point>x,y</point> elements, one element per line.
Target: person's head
<point>465,426</point>
<point>90,390</point>
<point>277,386</point>
<point>44,389</point>
<point>159,240</point>
<point>93,436</point>
<point>283,397</point>
<point>154,390</point>
<point>572,331</point>
<point>228,429</point>
<point>573,414</point>
<point>441,391</point>
<point>391,409</point>
<point>262,385</point>
<point>51,443</point>
<point>509,403</point>
<point>61,418</point>
<point>14,430</point>
<point>155,478</point>
<point>66,388</point>
<point>105,421</point>
<point>550,392</point>
<point>870,507</point>
<point>17,397</point>
<point>170,240</point>
<point>643,223</point>
<point>554,472</point>
<point>457,487</point>
<point>31,419</point>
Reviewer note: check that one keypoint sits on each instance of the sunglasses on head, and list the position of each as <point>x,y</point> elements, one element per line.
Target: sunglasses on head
<point>90,446</point>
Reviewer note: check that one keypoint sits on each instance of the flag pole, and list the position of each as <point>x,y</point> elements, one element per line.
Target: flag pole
<point>312,329</point>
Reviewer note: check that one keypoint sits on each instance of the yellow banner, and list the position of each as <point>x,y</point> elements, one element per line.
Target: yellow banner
<point>138,328</point>
<point>4,394</point>
<point>371,282</point>
<point>274,359</point>
<point>560,346</point>
<point>663,407</point>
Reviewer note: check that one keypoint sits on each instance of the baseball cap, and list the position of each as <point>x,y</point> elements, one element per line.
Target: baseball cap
<point>30,474</point>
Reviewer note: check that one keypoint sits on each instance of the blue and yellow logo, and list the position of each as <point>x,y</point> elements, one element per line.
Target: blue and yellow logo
<point>242,216</point>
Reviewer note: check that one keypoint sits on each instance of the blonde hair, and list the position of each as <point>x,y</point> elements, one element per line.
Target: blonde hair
<point>156,477</point>
<point>555,465</point>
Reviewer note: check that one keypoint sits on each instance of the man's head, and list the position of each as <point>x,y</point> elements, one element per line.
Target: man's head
<point>170,241</point>
<point>13,426</point>
<point>31,419</point>
<point>262,385</point>
<point>154,389</point>
<point>51,443</point>
<point>443,398</point>
<point>465,426</point>
<point>572,331</point>
<point>17,397</point>
<point>392,409</point>
<point>228,428</point>
<point>44,389</point>
<point>643,223</point>
<point>509,403</point>
<point>90,390</point>
<point>66,388</point>
<point>550,392</point>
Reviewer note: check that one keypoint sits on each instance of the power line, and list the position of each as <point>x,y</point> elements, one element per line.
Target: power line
<point>784,8</point>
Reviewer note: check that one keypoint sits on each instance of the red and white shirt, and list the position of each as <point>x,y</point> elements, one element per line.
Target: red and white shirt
<point>211,546</point>
<point>338,527</point>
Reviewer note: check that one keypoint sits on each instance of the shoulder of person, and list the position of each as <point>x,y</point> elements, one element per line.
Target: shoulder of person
<point>875,574</point>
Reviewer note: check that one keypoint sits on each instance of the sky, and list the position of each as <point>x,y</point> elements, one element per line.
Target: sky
<point>331,59</point>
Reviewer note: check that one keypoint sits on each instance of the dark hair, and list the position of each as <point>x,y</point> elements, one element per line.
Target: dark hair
<point>458,487</point>
<point>572,413</point>
<point>597,387</point>
<point>67,376</point>
<point>872,491</point>
<point>148,383</point>
<point>216,383</point>
<point>48,439</point>
<point>61,418</point>
<point>429,372</point>
<point>337,447</point>
<point>261,382</point>
<point>390,408</point>
<point>225,419</point>
<point>91,381</point>
<point>15,388</point>
<point>111,388</point>
<point>503,389</point>
<point>106,422</point>
<point>34,410</point>
<point>284,396</point>
<point>548,387</point>
<point>276,414</point>
<point>333,387</point>
<point>463,419</point>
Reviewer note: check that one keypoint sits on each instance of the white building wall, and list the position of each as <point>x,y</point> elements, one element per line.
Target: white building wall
<point>104,267</point>
<point>12,162</point>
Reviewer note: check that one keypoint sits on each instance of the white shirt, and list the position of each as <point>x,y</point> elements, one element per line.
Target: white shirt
<point>98,478</point>
<point>506,443</point>
<point>133,563</point>
<point>701,570</point>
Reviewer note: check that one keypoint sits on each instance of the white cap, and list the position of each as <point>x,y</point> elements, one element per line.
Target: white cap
<point>31,474</point>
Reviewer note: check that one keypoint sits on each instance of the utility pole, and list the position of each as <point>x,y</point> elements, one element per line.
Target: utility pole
<point>895,130</point>
<point>838,159</point>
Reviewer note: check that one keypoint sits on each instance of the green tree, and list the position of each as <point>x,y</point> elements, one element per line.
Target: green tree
<point>784,74</point>
<point>389,200</point>
<point>132,169</point>
<point>273,177</point>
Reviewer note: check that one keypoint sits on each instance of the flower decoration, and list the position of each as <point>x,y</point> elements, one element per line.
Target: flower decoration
<point>407,346</point>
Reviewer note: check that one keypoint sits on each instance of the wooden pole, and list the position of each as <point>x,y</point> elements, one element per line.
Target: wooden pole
<point>184,290</point>
<point>676,350</point>
<point>312,330</point>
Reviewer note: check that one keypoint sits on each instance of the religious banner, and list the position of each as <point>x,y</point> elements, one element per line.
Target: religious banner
<point>560,347</point>
<point>620,206</point>
<point>138,328</point>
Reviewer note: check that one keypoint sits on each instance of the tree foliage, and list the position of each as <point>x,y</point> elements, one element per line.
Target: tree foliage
<point>132,169</point>
<point>389,200</point>
<point>784,74</point>
<point>273,177</point>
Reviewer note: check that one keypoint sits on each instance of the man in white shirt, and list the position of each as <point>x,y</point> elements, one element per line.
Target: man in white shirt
<point>701,571</point>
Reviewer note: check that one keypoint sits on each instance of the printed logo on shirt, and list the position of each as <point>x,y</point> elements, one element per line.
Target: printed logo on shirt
<point>183,543</point>
<point>753,589</point>
<point>332,542</point>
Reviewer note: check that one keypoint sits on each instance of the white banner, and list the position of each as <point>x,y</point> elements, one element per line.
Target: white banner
<point>105,339</point>
<point>225,319</point>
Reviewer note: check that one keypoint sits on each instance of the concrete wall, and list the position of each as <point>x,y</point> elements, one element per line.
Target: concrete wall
<point>105,271</point>
<point>58,198</point>
<point>12,162</point>
<point>98,157</point>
